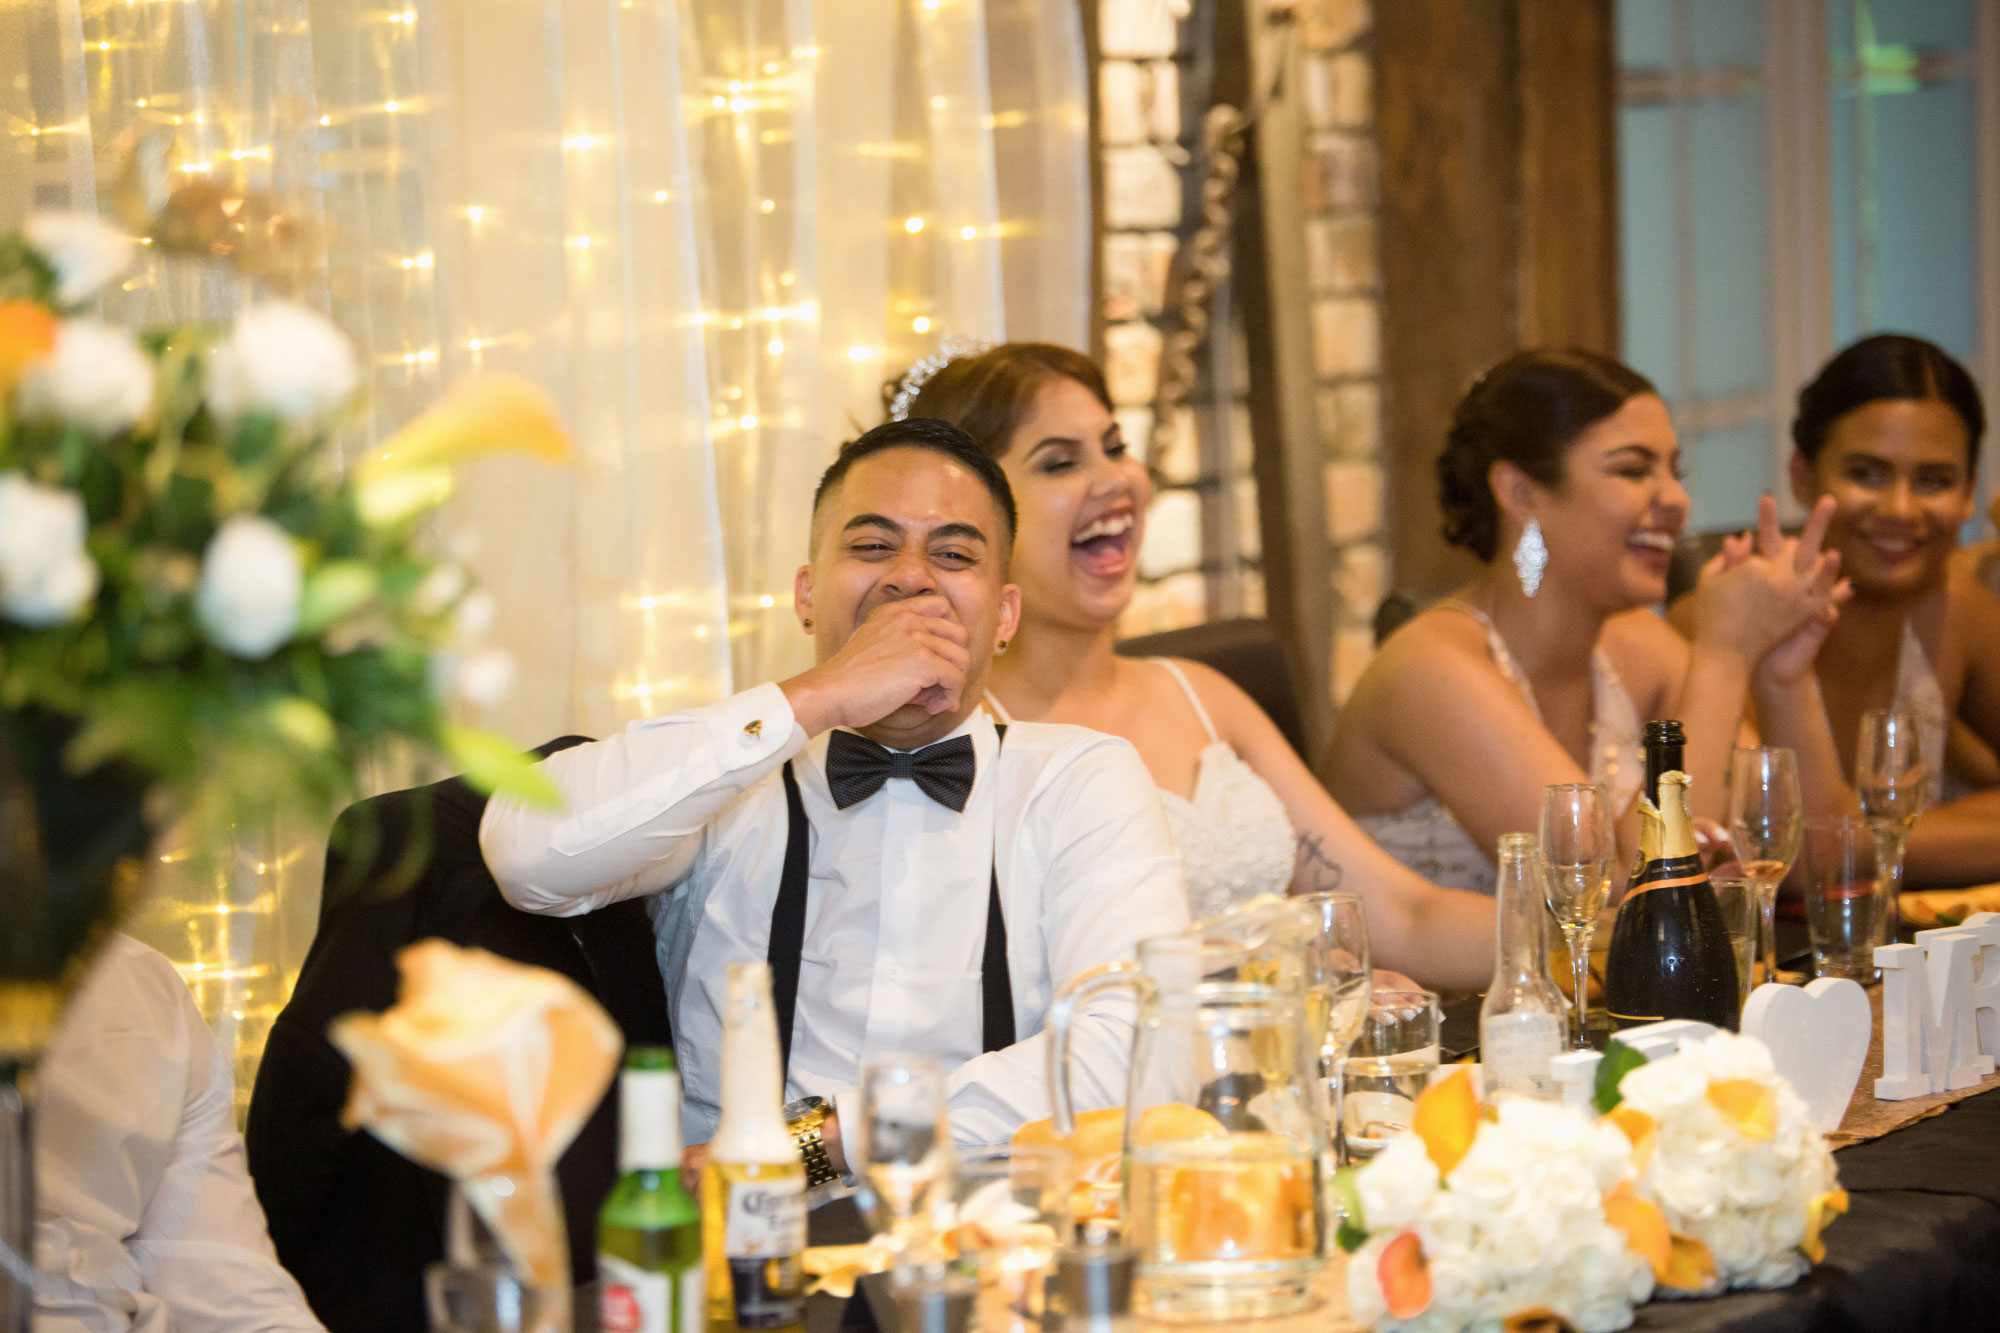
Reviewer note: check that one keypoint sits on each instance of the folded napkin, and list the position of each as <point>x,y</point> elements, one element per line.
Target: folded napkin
<point>484,1070</point>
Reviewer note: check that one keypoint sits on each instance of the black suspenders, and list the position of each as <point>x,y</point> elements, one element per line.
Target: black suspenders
<point>788,934</point>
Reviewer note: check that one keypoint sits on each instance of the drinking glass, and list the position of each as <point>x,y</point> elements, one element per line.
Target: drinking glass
<point>1011,1219</point>
<point>476,1288</point>
<point>1390,1063</point>
<point>1740,898</point>
<point>1844,895</point>
<point>905,1144</point>
<point>1338,982</point>
<point>1766,824</point>
<point>1892,777</point>
<point>1579,856</point>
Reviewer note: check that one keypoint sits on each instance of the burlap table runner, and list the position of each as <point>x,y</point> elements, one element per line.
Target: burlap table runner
<point>1868,1118</point>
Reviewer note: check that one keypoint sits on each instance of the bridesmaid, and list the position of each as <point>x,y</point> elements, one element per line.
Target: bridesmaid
<point>1247,813</point>
<point>1562,474</point>
<point>1888,433</point>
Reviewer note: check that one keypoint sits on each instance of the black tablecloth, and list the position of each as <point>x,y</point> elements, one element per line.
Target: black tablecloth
<point>1919,1249</point>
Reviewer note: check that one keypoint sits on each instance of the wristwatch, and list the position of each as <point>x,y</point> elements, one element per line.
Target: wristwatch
<point>804,1118</point>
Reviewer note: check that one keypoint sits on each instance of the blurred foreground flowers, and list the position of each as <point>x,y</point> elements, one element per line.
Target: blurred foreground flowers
<point>190,590</point>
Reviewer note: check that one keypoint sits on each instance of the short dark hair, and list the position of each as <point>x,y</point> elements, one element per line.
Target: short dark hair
<point>990,393</point>
<point>932,436</point>
<point>1883,367</point>
<point>1527,411</point>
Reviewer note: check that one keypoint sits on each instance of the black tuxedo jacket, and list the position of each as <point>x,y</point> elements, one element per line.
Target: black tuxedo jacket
<point>352,1220</point>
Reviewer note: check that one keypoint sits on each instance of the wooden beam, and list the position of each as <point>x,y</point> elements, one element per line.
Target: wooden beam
<point>1450,144</point>
<point>1499,221</point>
<point>1290,460</point>
<point>1568,84</point>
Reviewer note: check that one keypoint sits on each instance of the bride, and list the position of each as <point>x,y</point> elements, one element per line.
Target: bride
<point>1248,815</point>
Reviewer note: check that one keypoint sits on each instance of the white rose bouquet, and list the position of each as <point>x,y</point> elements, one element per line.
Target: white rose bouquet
<point>190,591</point>
<point>1469,1221</point>
<point>1724,1149</point>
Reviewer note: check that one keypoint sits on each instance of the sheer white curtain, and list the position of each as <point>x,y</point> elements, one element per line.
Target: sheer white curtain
<point>712,228</point>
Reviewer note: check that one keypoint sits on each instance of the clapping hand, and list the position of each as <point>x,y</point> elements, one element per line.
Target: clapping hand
<point>1770,597</point>
<point>911,651</point>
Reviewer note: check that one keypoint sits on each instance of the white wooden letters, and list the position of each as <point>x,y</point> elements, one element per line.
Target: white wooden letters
<point>1940,1009</point>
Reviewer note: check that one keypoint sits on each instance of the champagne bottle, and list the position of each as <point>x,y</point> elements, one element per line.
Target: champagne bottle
<point>1670,951</point>
<point>753,1190</point>
<point>1522,1025</point>
<point>649,1263</point>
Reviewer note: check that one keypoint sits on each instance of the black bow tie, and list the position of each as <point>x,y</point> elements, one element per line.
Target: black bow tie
<point>856,768</point>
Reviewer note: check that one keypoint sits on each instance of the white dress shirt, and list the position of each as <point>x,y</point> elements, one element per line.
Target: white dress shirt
<point>896,910</point>
<point>140,1183</point>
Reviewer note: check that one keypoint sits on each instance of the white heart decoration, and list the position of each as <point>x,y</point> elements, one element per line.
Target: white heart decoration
<point>1818,1037</point>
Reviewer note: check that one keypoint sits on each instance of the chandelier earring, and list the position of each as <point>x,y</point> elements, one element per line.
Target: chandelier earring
<point>1531,557</point>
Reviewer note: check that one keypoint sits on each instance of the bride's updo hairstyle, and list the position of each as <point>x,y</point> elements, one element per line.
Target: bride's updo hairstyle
<point>1527,411</point>
<point>1886,366</point>
<point>989,394</point>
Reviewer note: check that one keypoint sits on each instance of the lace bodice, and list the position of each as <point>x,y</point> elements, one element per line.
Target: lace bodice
<point>1234,836</point>
<point>1427,838</point>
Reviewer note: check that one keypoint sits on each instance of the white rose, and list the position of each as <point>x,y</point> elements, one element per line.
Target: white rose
<point>283,359</point>
<point>95,378</point>
<point>84,252</point>
<point>486,677</point>
<point>46,576</point>
<point>1395,1185</point>
<point>1665,1087</point>
<point>1365,1303</point>
<point>474,616</point>
<point>248,601</point>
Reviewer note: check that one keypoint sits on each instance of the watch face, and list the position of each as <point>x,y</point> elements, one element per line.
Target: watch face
<point>804,1105</point>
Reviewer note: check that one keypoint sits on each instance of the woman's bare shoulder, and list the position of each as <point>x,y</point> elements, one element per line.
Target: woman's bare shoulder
<point>1433,647</point>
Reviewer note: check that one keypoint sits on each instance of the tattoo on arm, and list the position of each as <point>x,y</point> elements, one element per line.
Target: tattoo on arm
<point>1317,872</point>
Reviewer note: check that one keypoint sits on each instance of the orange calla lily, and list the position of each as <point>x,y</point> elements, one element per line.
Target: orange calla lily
<point>481,415</point>
<point>1446,1118</point>
<point>1690,1265</point>
<point>1405,1276</point>
<point>1747,1104</point>
<point>1645,1226</point>
<point>1818,1213</point>
<point>27,334</point>
<point>1641,1129</point>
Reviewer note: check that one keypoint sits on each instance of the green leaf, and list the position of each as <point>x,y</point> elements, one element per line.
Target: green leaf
<point>494,765</point>
<point>1345,1196</point>
<point>333,592</point>
<point>1619,1060</point>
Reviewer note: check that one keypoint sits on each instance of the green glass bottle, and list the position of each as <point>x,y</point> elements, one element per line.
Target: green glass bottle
<point>649,1272</point>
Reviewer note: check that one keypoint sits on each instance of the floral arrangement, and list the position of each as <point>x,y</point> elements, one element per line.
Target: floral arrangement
<point>187,579</point>
<point>1471,1221</point>
<point>1702,1173</point>
<point>1726,1152</point>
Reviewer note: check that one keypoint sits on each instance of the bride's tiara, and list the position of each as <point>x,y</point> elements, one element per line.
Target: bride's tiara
<point>921,372</point>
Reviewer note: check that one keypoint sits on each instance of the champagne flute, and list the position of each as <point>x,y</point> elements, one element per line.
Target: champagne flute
<point>1579,857</point>
<point>1767,825</point>
<point>1892,777</point>
<point>906,1155</point>
<point>1338,985</point>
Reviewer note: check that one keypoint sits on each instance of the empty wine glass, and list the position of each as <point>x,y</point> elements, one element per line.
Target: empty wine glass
<point>1766,824</point>
<point>1892,777</point>
<point>1338,982</point>
<point>1579,857</point>
<point>905,1178</point>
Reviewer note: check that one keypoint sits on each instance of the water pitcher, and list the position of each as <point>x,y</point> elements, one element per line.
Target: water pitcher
<point>1225,1122</point>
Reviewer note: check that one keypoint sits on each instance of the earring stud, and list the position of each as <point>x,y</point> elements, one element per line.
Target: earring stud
<point>807,622</point>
